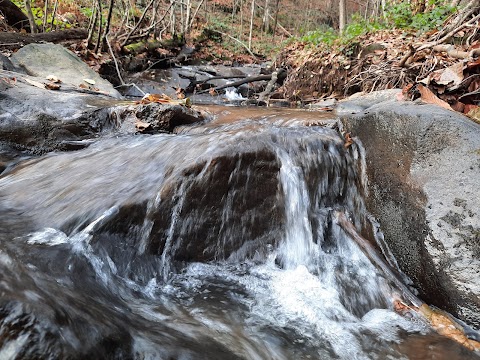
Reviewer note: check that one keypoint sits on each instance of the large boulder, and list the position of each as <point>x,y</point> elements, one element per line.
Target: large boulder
<point>37,120</point>
<point>424,173</point>
<point>51,59</point>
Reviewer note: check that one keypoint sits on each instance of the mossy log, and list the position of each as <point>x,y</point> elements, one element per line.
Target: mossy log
<point>16,40</point>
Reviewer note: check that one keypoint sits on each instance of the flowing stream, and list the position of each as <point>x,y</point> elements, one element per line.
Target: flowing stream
<point>213,243</point>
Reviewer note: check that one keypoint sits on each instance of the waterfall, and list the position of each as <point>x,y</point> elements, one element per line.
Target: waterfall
<point>215,243</point>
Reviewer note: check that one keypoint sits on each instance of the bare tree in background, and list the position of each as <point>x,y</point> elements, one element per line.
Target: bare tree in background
<point>342,15</point>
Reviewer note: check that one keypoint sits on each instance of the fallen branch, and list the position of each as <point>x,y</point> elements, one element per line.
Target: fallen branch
<point>13,39</point>
<point>444,323</point>
<point>449,35</point>
<point>270,86</point>
<point>117,68</point>
<point>372,255</point>
<point>247,80</point>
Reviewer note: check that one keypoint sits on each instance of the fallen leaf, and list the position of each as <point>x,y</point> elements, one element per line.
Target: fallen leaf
<point>452,76</point>
<point>53,79</point>
<point>469,107</point>
<point>10,81</point>
<point>35,83</point>
<point>164,99</point>
<point>429,97</point>
<point>83,86</point>
<point>457,106</point>
<point>52,86</point>
<point>474,114</point>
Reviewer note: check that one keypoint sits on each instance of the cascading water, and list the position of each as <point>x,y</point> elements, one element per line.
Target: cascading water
<point>215,243</point>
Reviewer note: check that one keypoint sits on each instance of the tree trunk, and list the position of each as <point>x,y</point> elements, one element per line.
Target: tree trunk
<point>107,25</point>
<point>266,16</point>
<point>31,19</point>
<point>14,16</point>
<point>342,15</point>
<point>252,14</point>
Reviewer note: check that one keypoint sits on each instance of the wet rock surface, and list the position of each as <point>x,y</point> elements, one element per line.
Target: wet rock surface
<point>424,174</point>
<point>36,120</point>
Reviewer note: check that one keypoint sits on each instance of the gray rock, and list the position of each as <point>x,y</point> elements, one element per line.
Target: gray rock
<point>360,102</point>
<point>424,172</point>
<point>6,64</point>
<point>323,104</point>
<point>37,120</point>
<point>50,59</point>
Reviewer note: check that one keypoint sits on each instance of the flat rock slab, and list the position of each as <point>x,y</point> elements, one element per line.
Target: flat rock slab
<point>43,60</point>
<point>424,173</point>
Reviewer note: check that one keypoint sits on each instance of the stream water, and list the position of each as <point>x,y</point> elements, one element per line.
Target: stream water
<point>214,243</point>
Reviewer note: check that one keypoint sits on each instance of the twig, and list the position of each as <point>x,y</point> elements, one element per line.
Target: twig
<point>134,85</point>
<point>449,35</point>
<point>114,60</point>
<point>372,255</point>
<point>239,82</point>
<point>270,86</point>
<point>411,51</point>
<point>138,23</point>
<point>238,41</point>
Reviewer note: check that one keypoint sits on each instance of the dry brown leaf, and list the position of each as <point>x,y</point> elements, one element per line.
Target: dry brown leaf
<point>52,86</point>
<point>473,64</point>
<point>429,97</point>
<point>163,99</point>
<point>468,108</point>
<point>10,81</point>
<point>83,86</point>
<point>452,76</point>
<point>474,114</point>
<point>35,83</point>
<point>180,93</point>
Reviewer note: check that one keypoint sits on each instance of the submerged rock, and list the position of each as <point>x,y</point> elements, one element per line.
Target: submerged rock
<point>424,174</point>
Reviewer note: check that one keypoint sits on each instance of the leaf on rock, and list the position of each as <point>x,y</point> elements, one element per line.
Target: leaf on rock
<point>164,99</point>
<point>52,86</point>
<point>429,97</point>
